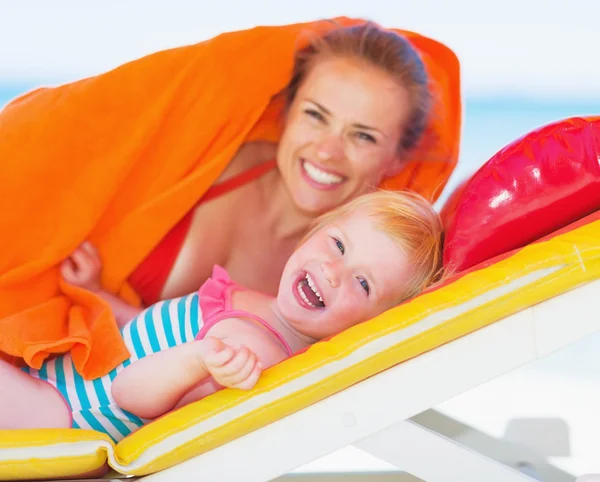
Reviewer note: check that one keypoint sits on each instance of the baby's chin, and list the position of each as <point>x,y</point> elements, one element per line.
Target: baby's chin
<point>284,307</point>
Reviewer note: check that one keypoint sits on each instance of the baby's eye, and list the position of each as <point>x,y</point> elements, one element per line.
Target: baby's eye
<point>339,245</point>
<point>314,113</point>
<point>366,137</point>
<point>364,284</point>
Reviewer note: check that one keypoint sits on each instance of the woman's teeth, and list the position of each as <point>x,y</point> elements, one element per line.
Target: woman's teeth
<point>320,176</point>
<point>307,281</point>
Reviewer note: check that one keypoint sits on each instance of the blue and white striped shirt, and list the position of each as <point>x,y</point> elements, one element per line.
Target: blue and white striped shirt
<point>161,326</point>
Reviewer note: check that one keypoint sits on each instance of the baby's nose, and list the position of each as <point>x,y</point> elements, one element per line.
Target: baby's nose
<point>331,274</point>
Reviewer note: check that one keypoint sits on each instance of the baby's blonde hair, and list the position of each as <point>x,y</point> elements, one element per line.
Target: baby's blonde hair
<point>408,219</point>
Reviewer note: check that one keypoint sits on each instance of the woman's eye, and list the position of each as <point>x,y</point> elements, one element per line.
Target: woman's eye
<point>339,245</point>
<point>364,284</point>
<point>316,114</point>
<point>366,137</point>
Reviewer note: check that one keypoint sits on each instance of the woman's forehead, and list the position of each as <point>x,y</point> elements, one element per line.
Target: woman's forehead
<point>355,92</point>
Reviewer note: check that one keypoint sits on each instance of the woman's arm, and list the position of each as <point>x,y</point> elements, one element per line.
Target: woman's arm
<point>122,311</point>
<point>154,384</point>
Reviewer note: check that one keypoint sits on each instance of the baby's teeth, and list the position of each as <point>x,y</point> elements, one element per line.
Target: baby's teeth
<point>303,296</point>
<point>313,287</point>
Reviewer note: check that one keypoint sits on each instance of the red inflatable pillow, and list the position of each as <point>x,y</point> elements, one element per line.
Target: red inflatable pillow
<point>532,187</point>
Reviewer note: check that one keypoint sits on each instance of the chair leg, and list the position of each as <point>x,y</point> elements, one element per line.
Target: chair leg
<point>517,456</point>
<point>434,458</point>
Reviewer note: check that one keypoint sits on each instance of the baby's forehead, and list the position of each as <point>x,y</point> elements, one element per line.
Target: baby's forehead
<point>360,229</point>
<point>358,219</point>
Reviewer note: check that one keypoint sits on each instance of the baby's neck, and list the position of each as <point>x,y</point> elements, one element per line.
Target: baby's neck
<point>294,338</point>
<point>265,307</point>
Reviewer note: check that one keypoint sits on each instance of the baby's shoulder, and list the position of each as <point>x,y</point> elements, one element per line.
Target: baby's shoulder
<point>235,328</point>
<point>238,331</point>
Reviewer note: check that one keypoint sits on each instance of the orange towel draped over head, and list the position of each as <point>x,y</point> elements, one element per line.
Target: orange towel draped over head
<point>120,157</point>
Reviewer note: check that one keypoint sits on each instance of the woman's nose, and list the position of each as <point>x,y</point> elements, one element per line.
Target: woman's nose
<point>331,273</point>
<point>330,148</point>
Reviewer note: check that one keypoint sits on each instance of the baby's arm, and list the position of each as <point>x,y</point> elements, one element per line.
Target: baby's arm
<point>268,353</point>
<point>83,269</point>
<point>153,385</point>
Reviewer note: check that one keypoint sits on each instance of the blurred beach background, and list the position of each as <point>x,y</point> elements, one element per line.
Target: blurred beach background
<point>524,63</point>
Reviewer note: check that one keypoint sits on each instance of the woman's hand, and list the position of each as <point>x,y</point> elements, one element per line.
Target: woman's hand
<point>230,367</point>
<point>83,267</point>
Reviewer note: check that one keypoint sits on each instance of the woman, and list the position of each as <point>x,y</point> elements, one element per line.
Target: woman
<point>357,104</point>
<point>356,107</point>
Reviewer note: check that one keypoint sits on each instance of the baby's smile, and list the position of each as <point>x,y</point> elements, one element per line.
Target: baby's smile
<point>309,293</point>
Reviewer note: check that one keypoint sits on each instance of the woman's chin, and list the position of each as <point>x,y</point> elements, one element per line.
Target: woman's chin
<point>315,204</point>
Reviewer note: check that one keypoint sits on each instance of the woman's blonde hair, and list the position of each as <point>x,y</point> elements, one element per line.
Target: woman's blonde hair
<point>408,219</point>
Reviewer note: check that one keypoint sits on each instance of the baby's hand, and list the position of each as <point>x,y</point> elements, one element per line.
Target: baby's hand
<point>83,267</point>
<point>230,368</point>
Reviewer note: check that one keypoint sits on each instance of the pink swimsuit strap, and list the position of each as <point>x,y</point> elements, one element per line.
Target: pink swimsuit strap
<point>214,297</point>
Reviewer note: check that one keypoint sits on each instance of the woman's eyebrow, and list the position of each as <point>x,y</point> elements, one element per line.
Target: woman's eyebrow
<point>369,128</point>
<point>356,124</point>
<point>319,106</point>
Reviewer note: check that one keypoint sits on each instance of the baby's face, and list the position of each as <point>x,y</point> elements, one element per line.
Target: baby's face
<point>346,273</point>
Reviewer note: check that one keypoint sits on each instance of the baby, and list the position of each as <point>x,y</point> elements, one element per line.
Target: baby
<point>356,262</point>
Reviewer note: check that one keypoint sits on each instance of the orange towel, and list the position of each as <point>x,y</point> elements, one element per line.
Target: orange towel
<point>119,158</point>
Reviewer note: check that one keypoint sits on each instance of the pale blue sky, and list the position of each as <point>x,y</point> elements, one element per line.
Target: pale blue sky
<point>532,47</point>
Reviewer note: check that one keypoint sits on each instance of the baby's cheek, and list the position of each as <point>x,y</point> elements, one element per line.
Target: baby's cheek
<point>356,312</point>
<point>375,310</point>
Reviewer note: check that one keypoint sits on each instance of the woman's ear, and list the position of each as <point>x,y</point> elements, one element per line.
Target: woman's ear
<point>395,167</point>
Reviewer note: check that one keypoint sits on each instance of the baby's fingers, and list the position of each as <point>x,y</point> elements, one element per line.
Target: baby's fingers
<point>218,358</point>
<point>244,371</point>
<point>241,358</point>
<point>248,382</point>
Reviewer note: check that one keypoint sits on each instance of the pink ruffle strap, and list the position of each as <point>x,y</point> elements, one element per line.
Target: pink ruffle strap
<point>214,301</point>
<point>213,295</point>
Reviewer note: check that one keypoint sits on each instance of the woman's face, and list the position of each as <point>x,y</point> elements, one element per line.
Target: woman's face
<point>342,134</point>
